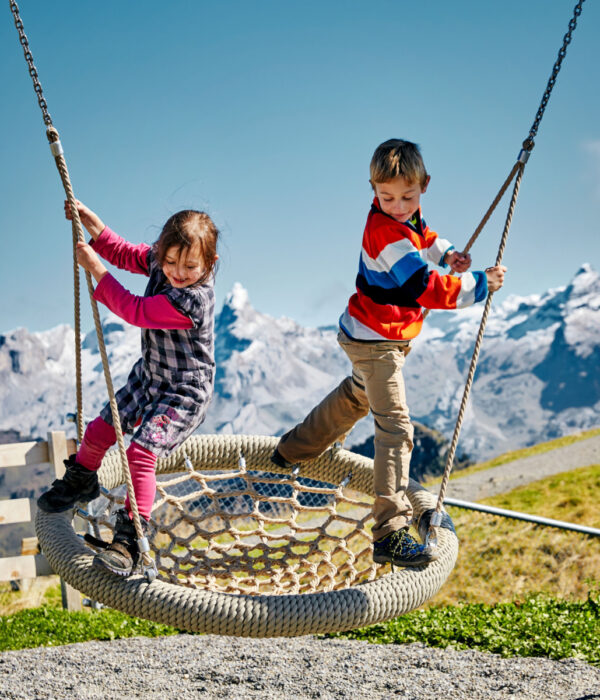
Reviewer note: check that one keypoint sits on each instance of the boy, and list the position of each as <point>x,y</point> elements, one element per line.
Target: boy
<point>382,317</point>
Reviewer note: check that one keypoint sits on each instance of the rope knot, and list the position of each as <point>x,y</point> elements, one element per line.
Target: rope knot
<point>52,134</point>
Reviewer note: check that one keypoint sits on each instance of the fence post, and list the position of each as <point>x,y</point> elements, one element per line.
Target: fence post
<point>57,450</point>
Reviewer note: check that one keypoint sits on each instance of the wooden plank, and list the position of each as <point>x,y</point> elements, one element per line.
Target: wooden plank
<point>57,451</point>
<point>12,568</point>
<point>30,545</point>
<point>71,597</point>
<point>15,510</point>
<point>20,454</point>
<point>17,454</point>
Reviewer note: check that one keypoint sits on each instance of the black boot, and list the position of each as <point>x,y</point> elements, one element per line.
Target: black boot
<point>77,485</point>
<point>122,556</point>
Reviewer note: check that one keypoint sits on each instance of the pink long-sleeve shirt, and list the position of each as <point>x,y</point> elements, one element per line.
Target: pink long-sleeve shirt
<point>144,312</point>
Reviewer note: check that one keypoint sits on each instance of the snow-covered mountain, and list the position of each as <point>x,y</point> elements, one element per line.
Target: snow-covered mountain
<point>538,375</point>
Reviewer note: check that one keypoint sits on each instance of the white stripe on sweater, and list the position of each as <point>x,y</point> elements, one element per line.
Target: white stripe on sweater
<point>466,296</point>
<point>389,256</point>
<point>356,329</point>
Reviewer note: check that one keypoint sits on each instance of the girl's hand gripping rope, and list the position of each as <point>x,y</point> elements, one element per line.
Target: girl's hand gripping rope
<point>92,222</point>
<point>89,260</point>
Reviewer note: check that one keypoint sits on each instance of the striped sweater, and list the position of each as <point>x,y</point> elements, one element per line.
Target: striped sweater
<point>394,282</point>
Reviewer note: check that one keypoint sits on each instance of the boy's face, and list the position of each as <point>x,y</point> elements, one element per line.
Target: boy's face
<point>399,198</point>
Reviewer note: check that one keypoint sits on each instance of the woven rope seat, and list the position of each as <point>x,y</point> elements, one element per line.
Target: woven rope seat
<point>247,551</point>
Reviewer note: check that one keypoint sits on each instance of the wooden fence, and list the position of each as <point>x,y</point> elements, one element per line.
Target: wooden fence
<point>31,563</point>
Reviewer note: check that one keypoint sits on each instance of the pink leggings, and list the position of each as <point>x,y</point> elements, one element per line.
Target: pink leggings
<point>99,436</point>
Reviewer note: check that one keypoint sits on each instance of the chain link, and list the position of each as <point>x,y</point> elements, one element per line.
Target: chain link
<point>552,80</point>
<point>14,8</point>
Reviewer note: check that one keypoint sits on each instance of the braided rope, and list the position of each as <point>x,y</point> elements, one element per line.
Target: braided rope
<point>78,235</point>
<point>519,167</point>
<point>77,340</point>
<point>253,614</point>
<point>486,216</point>
<point>475,357</point>
<point>54,140</point>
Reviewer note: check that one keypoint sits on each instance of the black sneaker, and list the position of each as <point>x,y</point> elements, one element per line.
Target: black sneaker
<point>77,485</point>
<point>401,548</point>
<point>122,556</point>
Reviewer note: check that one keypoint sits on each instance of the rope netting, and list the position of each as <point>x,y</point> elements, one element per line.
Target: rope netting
<point>236,543</point>
<point>247,530</point>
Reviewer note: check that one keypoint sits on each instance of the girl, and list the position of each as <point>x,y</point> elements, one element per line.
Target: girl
<point>170,386</point>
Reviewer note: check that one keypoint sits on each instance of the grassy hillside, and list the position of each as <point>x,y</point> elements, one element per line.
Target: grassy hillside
<point>501,558</point>
<point>538,449</point>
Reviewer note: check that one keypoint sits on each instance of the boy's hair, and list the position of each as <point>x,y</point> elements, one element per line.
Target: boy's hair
<point>185,230</point>
<point>397,158</point>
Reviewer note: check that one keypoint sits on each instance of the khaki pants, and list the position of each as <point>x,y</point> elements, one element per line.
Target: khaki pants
<point>376,384</point>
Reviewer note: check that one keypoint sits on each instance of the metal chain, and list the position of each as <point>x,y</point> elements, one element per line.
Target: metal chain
<point>552,80</point>
<point>14,8</point>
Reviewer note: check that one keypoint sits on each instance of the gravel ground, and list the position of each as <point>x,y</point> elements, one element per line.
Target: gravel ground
<point>228,667</point>
<point>509,476</point>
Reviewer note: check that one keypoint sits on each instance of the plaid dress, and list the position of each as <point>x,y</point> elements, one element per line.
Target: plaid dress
<point>170,386</point>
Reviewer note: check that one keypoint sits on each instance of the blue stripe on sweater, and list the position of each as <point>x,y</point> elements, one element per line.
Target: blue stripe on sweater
<point>401,271</point>
<point>481,286</point>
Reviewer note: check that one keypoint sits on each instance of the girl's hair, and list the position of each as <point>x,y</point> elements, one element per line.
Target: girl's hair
<point>398,158</point>
<point>185,230</point>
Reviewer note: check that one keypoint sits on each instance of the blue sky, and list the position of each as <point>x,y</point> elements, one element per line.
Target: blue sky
<point>266,113</point>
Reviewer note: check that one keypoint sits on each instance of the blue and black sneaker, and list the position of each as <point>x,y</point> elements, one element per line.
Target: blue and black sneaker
<point>279,460</point>
<point>401,549</point>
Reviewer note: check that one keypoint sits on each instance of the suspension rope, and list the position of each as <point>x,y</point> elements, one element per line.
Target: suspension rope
<point>486,217</point>
<point>519,168</point>
<point>78,235</point>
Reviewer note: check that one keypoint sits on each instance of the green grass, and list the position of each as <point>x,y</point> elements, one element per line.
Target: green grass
<point>49,626</point>
<point>500,558</point>
<point>535,626</point>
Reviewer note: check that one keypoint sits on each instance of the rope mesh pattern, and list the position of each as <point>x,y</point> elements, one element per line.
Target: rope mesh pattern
<point>256,532</point>
<point>215,504</point>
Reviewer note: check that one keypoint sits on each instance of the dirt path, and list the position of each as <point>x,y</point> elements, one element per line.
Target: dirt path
<point>509,476</point>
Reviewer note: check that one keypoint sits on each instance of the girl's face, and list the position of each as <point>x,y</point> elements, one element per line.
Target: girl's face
<point>183,268</point>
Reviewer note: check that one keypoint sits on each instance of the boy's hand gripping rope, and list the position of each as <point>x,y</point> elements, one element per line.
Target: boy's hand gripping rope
<point>148,565</point>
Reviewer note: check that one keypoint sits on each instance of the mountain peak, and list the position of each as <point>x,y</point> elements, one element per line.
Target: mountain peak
<point>237,299</point>
<point>537,379</point>
<point>586,281</point>
<point>585,269</point>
